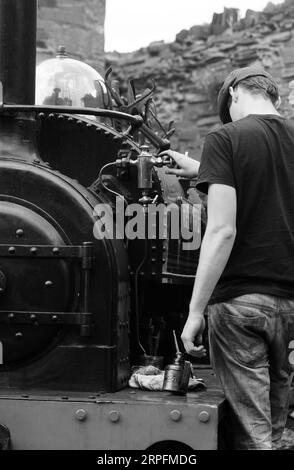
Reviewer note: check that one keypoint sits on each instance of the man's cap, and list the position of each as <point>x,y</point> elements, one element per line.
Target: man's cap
<point>232,80</point>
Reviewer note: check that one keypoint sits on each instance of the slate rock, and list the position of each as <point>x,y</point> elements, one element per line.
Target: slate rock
<point>281,37</point>
<point>155,48</point>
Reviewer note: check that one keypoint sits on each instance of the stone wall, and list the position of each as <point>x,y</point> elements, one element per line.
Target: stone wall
<point>189,71</point>
<point>77,24</point>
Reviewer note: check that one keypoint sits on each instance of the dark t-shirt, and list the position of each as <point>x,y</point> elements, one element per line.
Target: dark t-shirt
<point>255,155</point>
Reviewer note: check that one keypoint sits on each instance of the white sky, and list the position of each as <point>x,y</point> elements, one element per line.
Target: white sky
<point>131,24</point>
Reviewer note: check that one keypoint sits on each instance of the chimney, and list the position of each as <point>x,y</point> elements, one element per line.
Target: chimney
<point>18,23</point>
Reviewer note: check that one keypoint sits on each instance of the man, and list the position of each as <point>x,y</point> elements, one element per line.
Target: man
<point>246,265</point>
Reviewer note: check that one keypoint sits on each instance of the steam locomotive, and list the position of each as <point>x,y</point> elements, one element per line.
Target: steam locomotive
<point>80,304</point>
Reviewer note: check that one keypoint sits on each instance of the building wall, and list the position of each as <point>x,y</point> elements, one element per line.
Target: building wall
<point>77,24</point>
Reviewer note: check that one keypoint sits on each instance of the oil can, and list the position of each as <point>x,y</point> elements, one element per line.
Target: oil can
<point>176,376</point>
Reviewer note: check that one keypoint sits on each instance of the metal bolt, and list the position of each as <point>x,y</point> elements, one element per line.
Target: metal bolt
<point>175,415</point>
<point>11,250</point>
<point>48,283</point>
<point>19,232</point>
<point>18,335</point>
<point>204,416</point>
<point>37,161</point>
<point>114,416</point>
<point>81,414</point>
<point>55,250</point>
<point>33,316</point>
<point>54,317</point>
<point>11,316</point>
<point>33,250</point>
<point>61,51</point>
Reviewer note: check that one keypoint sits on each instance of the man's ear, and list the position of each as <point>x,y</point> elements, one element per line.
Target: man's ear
<point>278,103</point>
<point>233,94</point>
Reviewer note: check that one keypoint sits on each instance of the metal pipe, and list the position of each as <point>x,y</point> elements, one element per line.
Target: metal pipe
<point>18,23</point>
<point>136,121</point>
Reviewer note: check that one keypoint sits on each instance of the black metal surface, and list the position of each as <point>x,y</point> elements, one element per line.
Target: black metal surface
<point>71,365</point>
<point>78,147</point>
<point>45,276</point>
<point>45,318</point>
<point>18,50</point>
<point>42,251</point>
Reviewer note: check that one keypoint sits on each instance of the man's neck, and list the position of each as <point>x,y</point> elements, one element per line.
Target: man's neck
<point>259,107</point>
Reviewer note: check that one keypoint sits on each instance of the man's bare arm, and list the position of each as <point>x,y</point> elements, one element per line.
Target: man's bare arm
<point>215,250</point>
<point>188,166</point>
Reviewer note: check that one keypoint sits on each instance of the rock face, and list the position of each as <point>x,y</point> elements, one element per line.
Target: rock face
<point>77,24</point>
<point>188,72</point>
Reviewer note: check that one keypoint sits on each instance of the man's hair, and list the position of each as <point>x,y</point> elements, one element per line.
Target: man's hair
<point>261,85</point>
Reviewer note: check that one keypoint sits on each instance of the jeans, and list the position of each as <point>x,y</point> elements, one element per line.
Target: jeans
<point>249,337</point>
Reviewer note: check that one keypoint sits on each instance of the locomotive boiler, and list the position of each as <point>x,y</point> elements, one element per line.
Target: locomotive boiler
<point>81,301</point>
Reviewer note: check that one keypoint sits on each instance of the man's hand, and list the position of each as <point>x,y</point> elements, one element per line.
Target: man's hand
<point>189,166</point>
<point>192,335</point>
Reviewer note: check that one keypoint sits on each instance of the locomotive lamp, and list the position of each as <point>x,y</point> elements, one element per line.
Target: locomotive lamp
<point>63,81</point>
